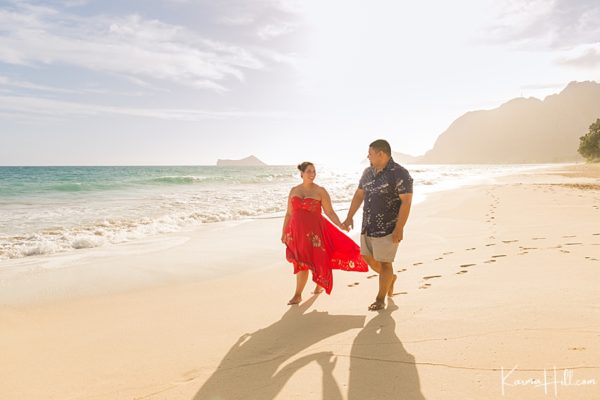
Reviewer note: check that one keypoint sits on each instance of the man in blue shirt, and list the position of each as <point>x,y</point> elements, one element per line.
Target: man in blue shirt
<point>386,189</point>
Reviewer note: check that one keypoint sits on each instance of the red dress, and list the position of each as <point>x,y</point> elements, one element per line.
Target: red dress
<point>313,243</point>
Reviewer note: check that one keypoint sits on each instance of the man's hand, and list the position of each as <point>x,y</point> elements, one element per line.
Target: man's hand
<point>348,223</point>
<point>397,235</point>
<point>343,227</point>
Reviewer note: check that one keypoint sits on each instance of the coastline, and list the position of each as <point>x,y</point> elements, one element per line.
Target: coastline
<point>490,277</point>
<point>64,210</point>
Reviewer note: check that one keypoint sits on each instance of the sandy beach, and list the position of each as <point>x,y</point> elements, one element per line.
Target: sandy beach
<point>496,298</point>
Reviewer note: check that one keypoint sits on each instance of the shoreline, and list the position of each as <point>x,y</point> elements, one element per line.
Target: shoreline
<point>489,277</point>
<point>26,280</point>
<point>67,238</point>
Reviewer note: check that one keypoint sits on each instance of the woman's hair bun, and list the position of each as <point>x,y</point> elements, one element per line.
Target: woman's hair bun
<point>302,166</point>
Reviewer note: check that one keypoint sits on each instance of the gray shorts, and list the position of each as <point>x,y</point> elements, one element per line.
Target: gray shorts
<point>382,249</point>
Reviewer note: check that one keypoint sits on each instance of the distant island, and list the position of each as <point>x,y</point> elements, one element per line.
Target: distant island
<point>250,161</point>
<point>522,130</point>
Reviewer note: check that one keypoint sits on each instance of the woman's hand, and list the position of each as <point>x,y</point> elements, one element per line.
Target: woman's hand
<point>348,223</point>
<point>343,227</point>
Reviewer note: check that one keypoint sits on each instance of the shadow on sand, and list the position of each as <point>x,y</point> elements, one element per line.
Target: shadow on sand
<point>380,367</point>
<point>256,367</point>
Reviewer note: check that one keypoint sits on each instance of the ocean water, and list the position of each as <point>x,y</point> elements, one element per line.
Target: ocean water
<point>46,210</point>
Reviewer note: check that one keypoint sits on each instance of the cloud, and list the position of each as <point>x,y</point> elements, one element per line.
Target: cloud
<point>9,82</point>
<point>272,31</point>
<point>130,46</point>
<point>74,3</point>
<point>588,58</point>
<point>542,86</point>
<point>554,24</point>
<point>11,105</point>
<point>239,20</point>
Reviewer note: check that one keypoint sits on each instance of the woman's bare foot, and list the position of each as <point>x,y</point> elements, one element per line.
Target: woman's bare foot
<point>390,292</point>
<point>318,289</point>
<point>295,300</point>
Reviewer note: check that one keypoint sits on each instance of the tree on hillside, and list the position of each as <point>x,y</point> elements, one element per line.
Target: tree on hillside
<point>589,145</point>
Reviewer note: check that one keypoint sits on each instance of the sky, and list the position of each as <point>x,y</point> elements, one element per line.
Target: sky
<point>185,82</point>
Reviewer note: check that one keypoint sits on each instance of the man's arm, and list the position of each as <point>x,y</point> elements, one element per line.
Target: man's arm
<point>357,200</point>
<point>403,213</point>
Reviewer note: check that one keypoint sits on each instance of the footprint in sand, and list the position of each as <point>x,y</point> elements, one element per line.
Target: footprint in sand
<point>472,248</point>
<point>570,236</point>
<point>509,241</point>
<point>490,261</point>
<point>467,265</point>
<point>595,234</point>
<point>425,286</point>
<point>401,270</point>
<point>522,253</point>
<point>528,248</point>
<point>464,271</point>
<point>187,376</point>
<point>490,244</point>
<point>565,251</point>
<point>538,238</point>
<point>577,348</point>
<point>419,263</point>
<point>572,244</point>
<point>499,255</point>
<point>432,276</point>
<point>439,258</point>
<point>399,293</point>
<point>371,276</point>
<point>448,253</point>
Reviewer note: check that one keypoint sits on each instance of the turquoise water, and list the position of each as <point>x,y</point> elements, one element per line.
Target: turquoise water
<point>26,181</point>
<point>45,210</point>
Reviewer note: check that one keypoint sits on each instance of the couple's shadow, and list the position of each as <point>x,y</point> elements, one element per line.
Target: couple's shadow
<point>257,367</point>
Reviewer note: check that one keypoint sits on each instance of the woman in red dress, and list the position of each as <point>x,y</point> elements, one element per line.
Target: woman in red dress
<point>312,242</point>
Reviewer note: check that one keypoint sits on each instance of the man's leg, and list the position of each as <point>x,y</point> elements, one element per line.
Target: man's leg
<point>376,266</point>
<point>301,279</point>
<point>373,263</point>
<point>386,280</point>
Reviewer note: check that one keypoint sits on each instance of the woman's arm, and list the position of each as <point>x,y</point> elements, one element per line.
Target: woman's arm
<point>328,209</point>
<point>288,214</point>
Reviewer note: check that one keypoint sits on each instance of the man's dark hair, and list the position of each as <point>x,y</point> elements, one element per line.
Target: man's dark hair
<point>381,145</point>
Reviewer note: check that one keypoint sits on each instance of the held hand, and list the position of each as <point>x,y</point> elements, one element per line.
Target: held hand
<point>397,235</point>
<point>348,223</point>
<point>343,227</point>
<point>283,238</point>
